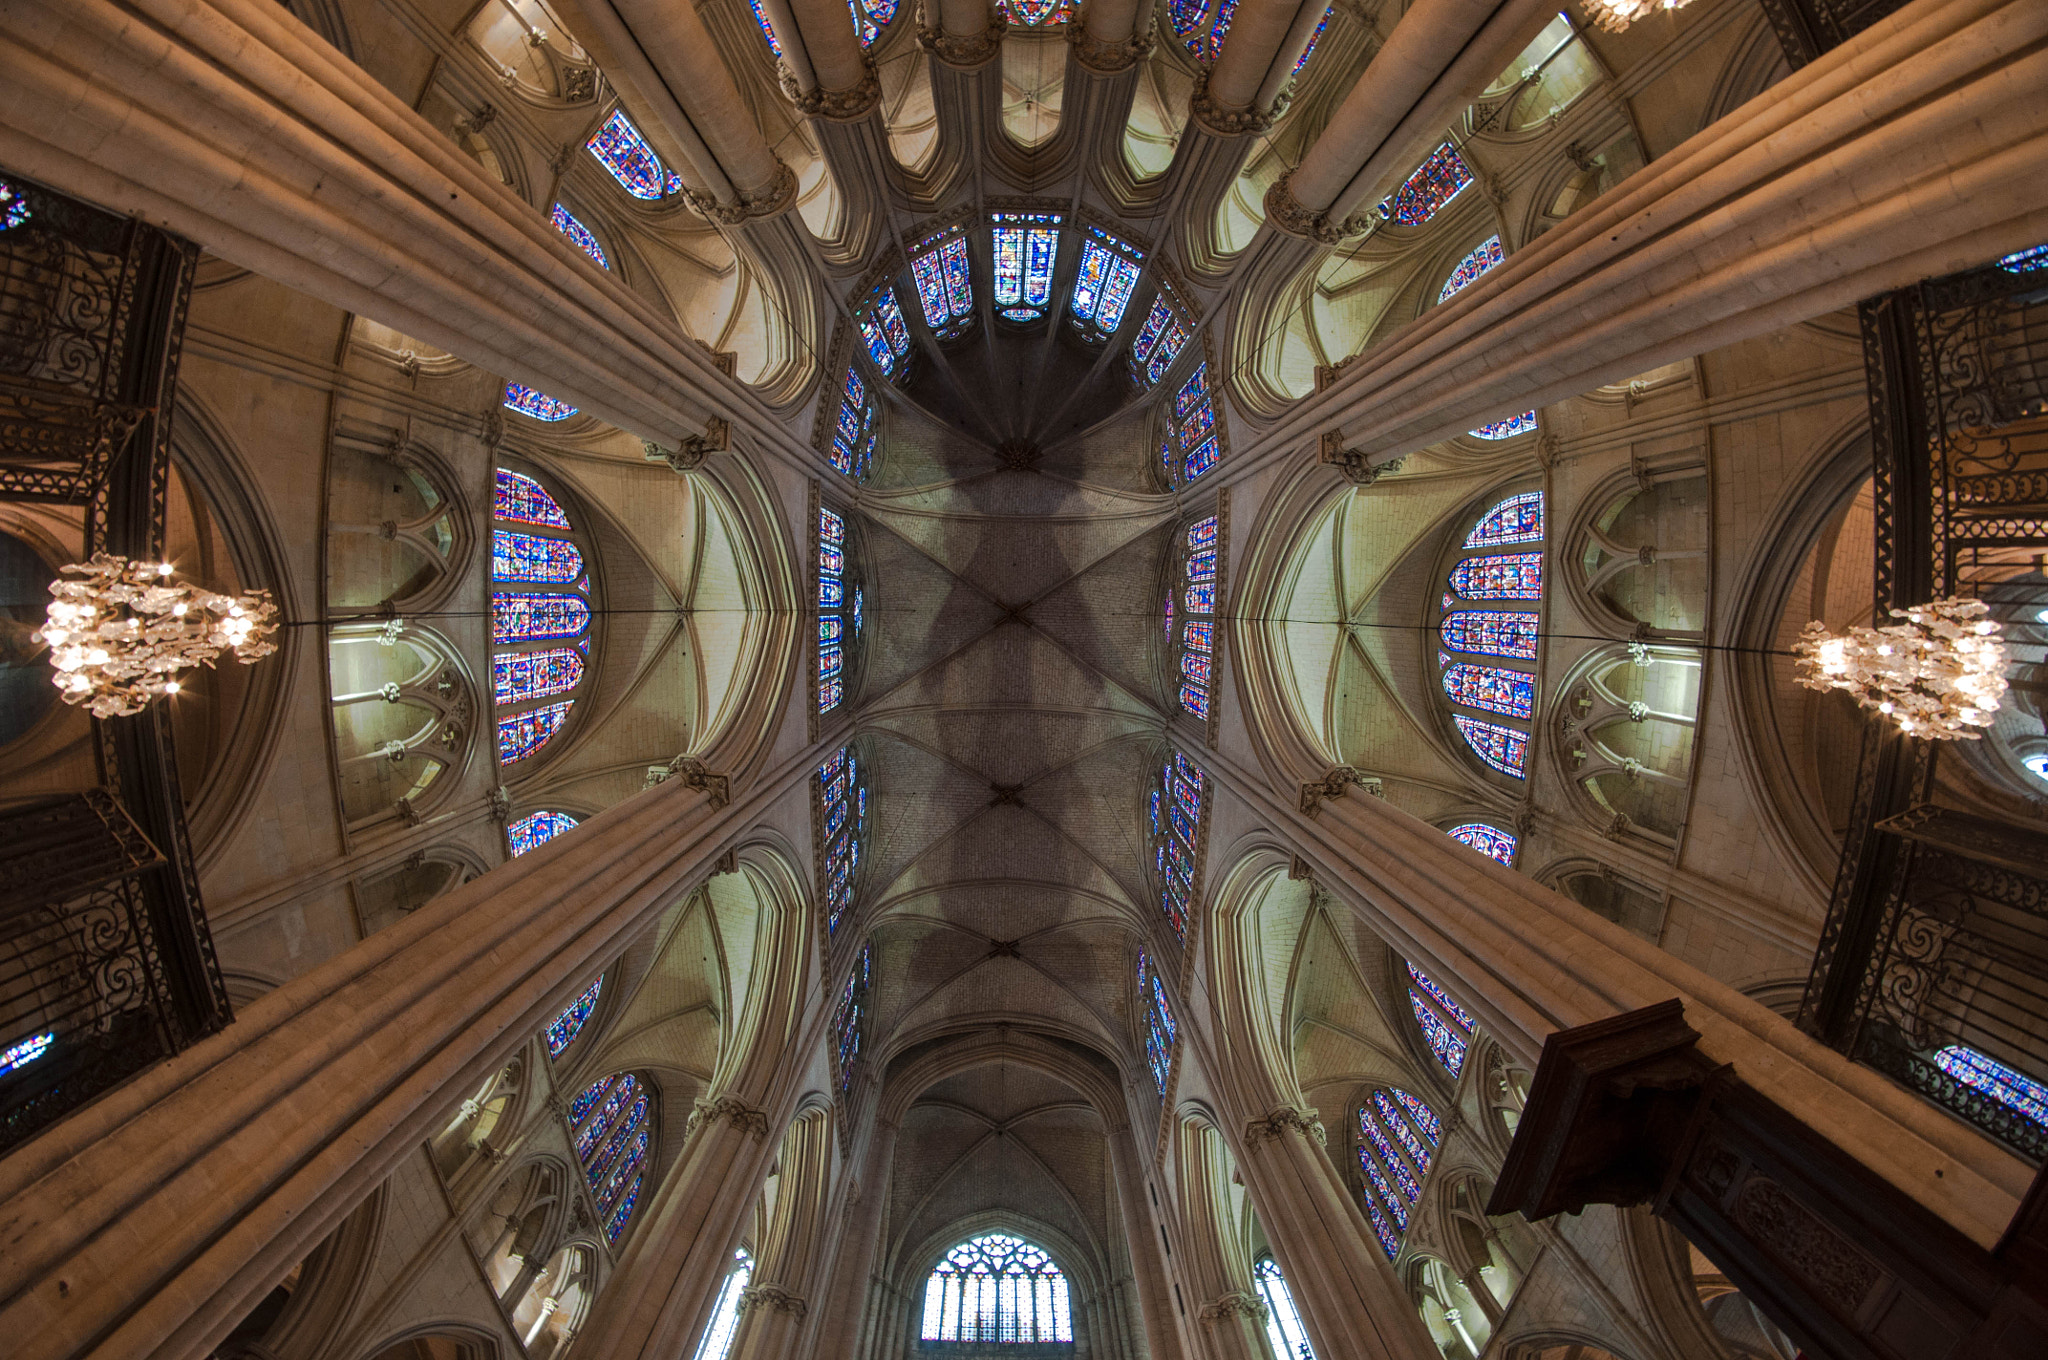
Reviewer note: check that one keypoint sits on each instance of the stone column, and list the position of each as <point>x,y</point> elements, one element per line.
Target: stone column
<point>843,71</point>
<point>1225,93</point>
<point>229,122</point>
<point>1230,1313</point>
<point>775,1300</point>
<point>1154,1302</point>
<point>150,1222</point>
<point>855,1245</point>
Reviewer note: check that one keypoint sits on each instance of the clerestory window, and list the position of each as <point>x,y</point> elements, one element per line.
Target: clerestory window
<point>1486,657</point>
<point>540,620</point>
<point>997,1288</point>
<point>1398,1136</point>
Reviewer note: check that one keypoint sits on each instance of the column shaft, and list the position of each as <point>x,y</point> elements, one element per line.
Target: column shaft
<point>1154,1291</point>
<point>843,1305</point>
<point>150,1222</point>
<point>834,48</point>
<point>1256,32</point>
<point>776,1299</point>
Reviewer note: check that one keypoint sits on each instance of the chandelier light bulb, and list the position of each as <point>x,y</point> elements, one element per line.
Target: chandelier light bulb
<point>1616,15</point>
<point>1939,674</point>
<point>119,632</point>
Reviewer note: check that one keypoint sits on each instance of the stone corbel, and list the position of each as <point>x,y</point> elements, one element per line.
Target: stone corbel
<point>742,1116</point>
<point>1333,784</point>
<point>501,805</point>
<point>773,1296</point>
<point>970,53</point>
<point>1237,1303</point>
<point>1355,466</point>
<point>1228,122</point>
<point>1107,58</point>
<point>1282,1119</point>
<point>693,774</point>
<point>840,106</point>
<point>1287,213</point>
<point>717,438</point>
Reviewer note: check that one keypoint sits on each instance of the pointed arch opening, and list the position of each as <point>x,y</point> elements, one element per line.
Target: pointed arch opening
<point>997,1288</point>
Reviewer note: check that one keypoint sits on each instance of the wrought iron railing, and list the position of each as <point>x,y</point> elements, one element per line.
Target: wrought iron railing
<point>1937,934</point>
<point>1807,28</point>
<point>106,964</point>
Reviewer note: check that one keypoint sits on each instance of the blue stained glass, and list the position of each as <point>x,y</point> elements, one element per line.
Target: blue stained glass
<point>587,1101</point>
<point>566,1026</point>
<point>1435,183</point>
<point>830,692</point>
<point>594,1170</point>
<point>1201,30</point>
<point>883,330</point>
<point>519,676</point>
<point>593,1131</point>
<point>1518,519</point>
<point>522,734</point>
<point>767,29</point>
<point>1487,840</point>
<point>828,661</point>
<point>1037,13</point>
<point>620,1215</point>
<point>1201,458</point>
<point>614,1184</point>
<point>1448,1046</point>
<point>1424,1117</point>
<point>621,149</point>
<point>537,618</point>
<point>527,402</point>
<point>19,1055</point>
<point>578,234</point>
<point>1441,997</point>
<point>1390,1119</point>
<point>1198,636</point>
<point>1485,256</point>
<point>1313,39</point>
<point>534,560</point>
<point>2009,1087</point>
<point>1194,699</point>
<point>855,435</point>
<point>828,630</point>
<point>1390,1242</point>
<point>1167,351</point>
<point>1159,340</point>
<point>14,211</point>
<point>844,801</point>
<point>522,499</point>
<point>1160,1030</point>
<point>943,290</point>
<point>1491,632</point>
<point>1504,748</point>
<point>1202,533</point>
<point>831,593</point>
<point>1103,288</point>
<point>1524,423</point>
<point>2028,261</point>
<point>1509,576</point>
<point>1193,395</point>
<point>1392,1161</point>
<point>1195,668</point>
<point>831,528</point>
<point>1394,1204</point>
<point>1202,565</point>
<point>849,1024</point>
<point>1512,694</point>
<point>870,17</point>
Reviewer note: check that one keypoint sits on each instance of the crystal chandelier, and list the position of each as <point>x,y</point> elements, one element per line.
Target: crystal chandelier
<point>1938,675</point>
<point>119,635</point>
<point>1616,15</point>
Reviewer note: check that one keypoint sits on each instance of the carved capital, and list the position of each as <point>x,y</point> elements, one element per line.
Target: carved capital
<point>840,106</point>
<point>1224,121</point>
<point>1356,467</point>
<point>717,437</point>
<point>1287,213</point>
<point>691,771</point>
<point>777,196</point>
<point>501,805</point>
<point>773,1296</point>
<point>742,1116</point>
<point>1333,784</point>
<point>1107,58</point>
<point>965,53</point>
<point>1280,1122</point>
<point>1234,1304</point>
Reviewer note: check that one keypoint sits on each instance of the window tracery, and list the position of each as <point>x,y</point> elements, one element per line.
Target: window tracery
<point>527,402</point>
<point>1398,1135</point>
<point>1193,441</point>
<point>858,429</point>
<point>725,1314</point>
<point>609,1122</point>
<point>619,148</point>
<point>850,1021</point>
<point>524,669</point>
<point>1483,576</point>
<point>841,609</point>
<point>1179,802</point>
<point>1424,194</point>
<point>1484,256</point>
<point>563,1029</point>
<point>401,716</point>
<point>1490,841</point>
<point>1283,1319</point>
<point>1193,647</point>
<point>1444,1023</point>
<point>579,235</point>
<point>997,1288</point>
<point>1202,25</point>
<point>883,331</point>
<point>1036,13</point>
<point>1160,1030</point>
<point>945,283</point>
<point>1102,288</point>
<point>843,823</point>
<point>537,829</point>
<point>1026,247</point>
<point>1160,340</point>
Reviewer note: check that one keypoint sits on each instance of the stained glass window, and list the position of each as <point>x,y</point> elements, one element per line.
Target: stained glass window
<point>1510,576</point>
<point>1026,245</point>
<point>1487,840</point>
<point>537,829</point>
<point>883,331</point>
<point>1036,13</point>
<point>524,669</point>
<point>1193,442</point>
<point>1509,693</point>
<point>1518,519</point>
<point>521,734</point>
<point>519,676</point>
<point>1397,1139</point>
<point>566,1026</point>
<point>525,501</point>
<point>843,823</point>
<point>1195,646</point>
<point>870,17</point>
<point>1309,51</point>
<point>725,1314</point>
<point>945,284</point>
<point>537,618</point>
<point>578,234</point>
<point>1159,341</point>
<point>1159,1027</point>
<point>997,1288</point>
<point>1435,182</point>
<point>849,1022</point>
<point>1202,25</point>
<point>1491,632</point>
<point>1504,748</point>
<point>621,149</point>
<point>858,429</point>
<point>14,211</point>
<point>610,1126</point>
<point>16,1056</point>
<point>1102,287</point>
<point>767,28</point>
<point>1512,635</point>
<point>1484,257</point>
<point>527,402</point>
<point>1445,1025</point>
<point>1283,1319</point>
<point>1524,423</point>
<point>839,610</point>
<point>2011,1088</point>
<point>1176,833</point>
<point>533,559</point>
<point>2028,261</point>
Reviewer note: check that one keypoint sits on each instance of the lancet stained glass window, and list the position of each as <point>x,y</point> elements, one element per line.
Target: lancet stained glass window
<point>1283,1319</point>
<point>1202,25</point>
<point>1508,428</point>
<point>1310,50</point>
<point>858,429</point>
<point>1160,1030</point>
<point>537,829</point>
<point>527,402</point>
<point>1423,194</point>
<point>1026,246</point>
<point>883,331</point>
<point>2008,1086</point>
<point>565,1027</point>
<point>1397,1140</point>
<point>1485,256</point>
<point>997,1288</point>
<point>1490,841</point>
<point>621,149</point>
<point>767,28</point>
<point>2028,261</point>
<point>839,609</point>
<point>945,284</point>
<point>843,824</point>
<point>1509,635</point>
<point>849,1022</point>
<point>540,618</point>
<point>578,234</point>
<point>14,211</point>
<point>1445,1025</point>
<point>1193,441</point>
<point>1102,289</point>
<point>870,17</point>
<point>725,1314</point>
<point>1159,341</point>
<point>1176,811</point>
<point>1192,601</point>
<point>609,1122</point>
